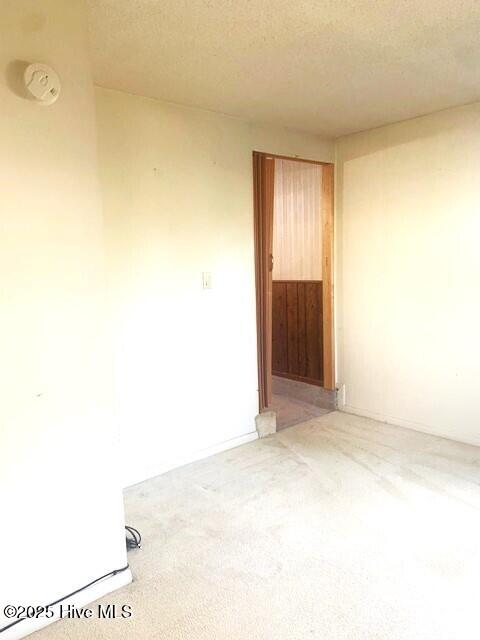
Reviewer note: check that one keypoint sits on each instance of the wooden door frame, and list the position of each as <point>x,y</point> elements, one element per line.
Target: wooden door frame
<point>263,176</point>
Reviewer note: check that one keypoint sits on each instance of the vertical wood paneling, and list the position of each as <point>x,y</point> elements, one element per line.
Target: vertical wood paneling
<point>297,330</point>
<point>279,327</point>
<point>302,331</point>
<point>297,229</point>
<point>292,327</point>
<point>313,338</point>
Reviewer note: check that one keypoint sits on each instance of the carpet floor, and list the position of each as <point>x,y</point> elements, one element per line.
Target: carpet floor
<point>341,528</point>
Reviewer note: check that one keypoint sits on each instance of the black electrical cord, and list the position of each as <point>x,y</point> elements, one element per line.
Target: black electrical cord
<point>134,541</point>
<point>52,604</point>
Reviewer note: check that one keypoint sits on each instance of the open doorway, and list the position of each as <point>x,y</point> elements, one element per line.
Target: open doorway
<point>294,284</point>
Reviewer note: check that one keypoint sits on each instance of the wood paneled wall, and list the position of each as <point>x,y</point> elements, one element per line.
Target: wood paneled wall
<point>297,330</point>
<point>297,221</point>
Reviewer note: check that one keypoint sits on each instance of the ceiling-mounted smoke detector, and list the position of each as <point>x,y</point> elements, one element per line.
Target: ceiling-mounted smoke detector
<point>42,83</point>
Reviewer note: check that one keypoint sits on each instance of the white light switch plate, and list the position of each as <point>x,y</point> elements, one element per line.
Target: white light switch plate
<point>207,280</point>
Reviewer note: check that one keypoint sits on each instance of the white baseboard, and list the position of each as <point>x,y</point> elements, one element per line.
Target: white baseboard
<point>408,424</point>
<point>187,458</point>
<point>82,599</point>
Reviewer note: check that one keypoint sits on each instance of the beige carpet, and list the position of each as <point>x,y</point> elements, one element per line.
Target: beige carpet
<point>341,528</point>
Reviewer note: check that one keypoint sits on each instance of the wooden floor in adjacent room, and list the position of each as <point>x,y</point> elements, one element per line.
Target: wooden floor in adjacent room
<point>295,402</point>
<point>291,411</point>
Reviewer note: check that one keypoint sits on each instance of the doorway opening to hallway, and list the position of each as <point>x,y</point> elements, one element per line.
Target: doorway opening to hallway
<point>294,280</point>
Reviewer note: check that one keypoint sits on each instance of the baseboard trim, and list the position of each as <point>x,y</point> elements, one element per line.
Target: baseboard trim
<point>82,599</point>
<point>190,457</point>
<point>407,424</point>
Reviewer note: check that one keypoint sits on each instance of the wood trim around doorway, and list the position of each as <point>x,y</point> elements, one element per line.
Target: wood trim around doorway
<point>263,184</point>
<point>263,191</point>
<point>327,276</point>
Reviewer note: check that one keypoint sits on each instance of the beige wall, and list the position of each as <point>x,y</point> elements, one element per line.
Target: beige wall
<point>408,272</point>
<point>297,221</point>
<point>58,481</point>
<point>177,193</point>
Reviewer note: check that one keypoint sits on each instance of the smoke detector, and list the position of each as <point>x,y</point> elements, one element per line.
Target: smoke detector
<point>42,83</point>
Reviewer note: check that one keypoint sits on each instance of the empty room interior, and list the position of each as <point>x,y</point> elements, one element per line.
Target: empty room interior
<point>239,319</point>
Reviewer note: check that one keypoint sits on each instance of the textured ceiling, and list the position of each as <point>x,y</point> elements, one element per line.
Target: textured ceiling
<point>326,66</point>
